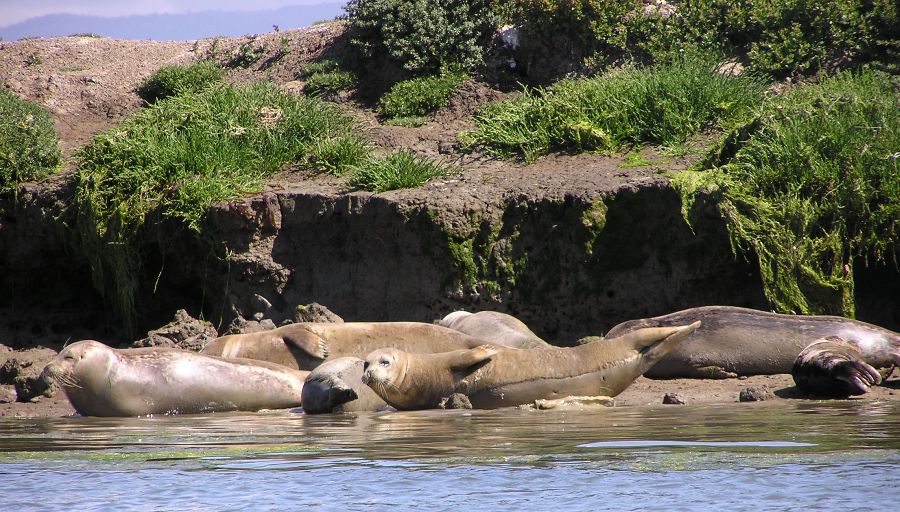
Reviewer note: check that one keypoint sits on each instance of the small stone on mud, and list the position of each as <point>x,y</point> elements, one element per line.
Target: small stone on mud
<point>673,399</point>
<point>755,394</point>
<point>11,369</point>
<point>456,401</point>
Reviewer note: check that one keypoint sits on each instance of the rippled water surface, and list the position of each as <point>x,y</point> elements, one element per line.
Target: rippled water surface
<point>767,456</point>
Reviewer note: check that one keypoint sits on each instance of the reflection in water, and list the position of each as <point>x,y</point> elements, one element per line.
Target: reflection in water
<point>825,455</point>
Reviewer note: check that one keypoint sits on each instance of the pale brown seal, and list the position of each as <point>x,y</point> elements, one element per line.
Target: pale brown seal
<point>336,386</point>
<point>737,341</point>
<point>305,346</point>
<point>102,381</point>
<point>494,327</point>
<point>493,376</point>
<point>834,367</point>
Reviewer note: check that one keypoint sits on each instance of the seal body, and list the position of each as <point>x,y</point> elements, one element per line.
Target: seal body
<point>493,327</point>
<point>102,381</point>
<point>834,367</point>
<point>493,376</point>
<point>336,386</point>
<point>305,346</point>
<point>737,341</point>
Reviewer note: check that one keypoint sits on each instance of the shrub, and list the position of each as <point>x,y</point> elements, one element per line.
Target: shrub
<point>418,97</point>
<point>778,37</point>
<point>423,35</point>
<point>29,146</point>
<point>664,104</point>
<point>812,184</point>
<point>178,157</point>
<point>174,80</point>
<point>401,169</point>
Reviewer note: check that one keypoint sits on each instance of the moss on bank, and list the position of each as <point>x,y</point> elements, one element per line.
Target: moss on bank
<point>177,158</point>
<point>811,186</point>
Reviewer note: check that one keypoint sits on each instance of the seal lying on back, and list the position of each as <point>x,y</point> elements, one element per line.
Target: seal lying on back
<point>736,341</point>
<point>493,376</point>
<point>834,367</point>
<point>494,327</point>
<point>306,345</point>
<point>102,381</point>
<point>336,386</point>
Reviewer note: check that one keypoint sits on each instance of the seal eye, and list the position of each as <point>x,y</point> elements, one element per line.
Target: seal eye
<point>385,362</point>
<point>365,366</point>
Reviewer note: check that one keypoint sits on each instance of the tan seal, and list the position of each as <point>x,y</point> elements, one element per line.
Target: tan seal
<point>493,376</point>
<point>102,381</point>
<point>306,345</point>
<point>834,367</point>
<point>494,327</point>
<point>737,341</point>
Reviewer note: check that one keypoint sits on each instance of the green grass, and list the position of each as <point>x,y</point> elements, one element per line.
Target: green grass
<point>810,186</point>
<point>338,155</point>
<point>665,104</point>
<point>401,169</point>
<point>178,157</point>
<point>326,78</point>
<point>418,97</point>
<point>174,80</point>
<point>29,145</point>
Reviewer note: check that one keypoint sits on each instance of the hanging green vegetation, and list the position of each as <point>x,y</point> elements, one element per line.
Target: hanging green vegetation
<point>811,186</point>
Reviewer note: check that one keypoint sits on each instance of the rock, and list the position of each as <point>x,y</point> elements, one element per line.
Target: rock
<point>673,399</point>
<point>755,394</point>
<point>184,332</point>
<point>241,325</point>
<point>456,401</point>
<point>11,369</point>
<point>315,312</point>
<point>31,388</point>
<point>260,303</point>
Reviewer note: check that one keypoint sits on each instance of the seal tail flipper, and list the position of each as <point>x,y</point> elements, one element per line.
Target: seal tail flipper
<point>656,339</point>
<point>859,376</point>
<point>463,359</point>
<point>309,342</point>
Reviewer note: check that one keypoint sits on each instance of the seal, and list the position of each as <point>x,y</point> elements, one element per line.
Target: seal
<point>834,367</point>
<point>305,346</point>
<point>336,386</point>
<point>103,381</point>
<point>737,341</point>
<point>494,327</point>
<point>493,376</point>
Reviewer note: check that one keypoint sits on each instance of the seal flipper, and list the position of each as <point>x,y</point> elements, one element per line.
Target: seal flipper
<point>307,341</point>
<point>833,367</point>
<point>324,393</point>
<point>465,359</point>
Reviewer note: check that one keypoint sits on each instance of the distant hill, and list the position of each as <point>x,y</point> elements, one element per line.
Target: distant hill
<point>195,25</point>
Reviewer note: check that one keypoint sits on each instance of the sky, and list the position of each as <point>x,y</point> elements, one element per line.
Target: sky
<point>15,11</point>
<point>158,19</point>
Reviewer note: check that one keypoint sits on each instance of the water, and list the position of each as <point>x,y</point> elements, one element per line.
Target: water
<point>841,455</point>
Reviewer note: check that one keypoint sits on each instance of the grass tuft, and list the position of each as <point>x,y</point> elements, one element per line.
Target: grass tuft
<point>418,97</point>
<point>174,80</point>
<point>326,78</point>
<point>178,157</point>
<point>401,169</point>
<point>811,185</point>
<point>664,104</point>
<point>29,146</point>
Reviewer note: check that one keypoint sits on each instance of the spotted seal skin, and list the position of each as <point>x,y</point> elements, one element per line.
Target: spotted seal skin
<point>336,386</point>
<point>834,367</point>
<point>305,346</point>
<point>737,341</point>
<point>494,327</point>
<point>102,381</point>
<point>493,376</point>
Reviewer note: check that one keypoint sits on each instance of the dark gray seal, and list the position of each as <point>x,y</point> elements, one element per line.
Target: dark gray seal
<point>834,367</point>
<point>336,386</point>
<point>737,341</point>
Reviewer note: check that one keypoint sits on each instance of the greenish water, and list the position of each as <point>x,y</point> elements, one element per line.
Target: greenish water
<point>766,456</point>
